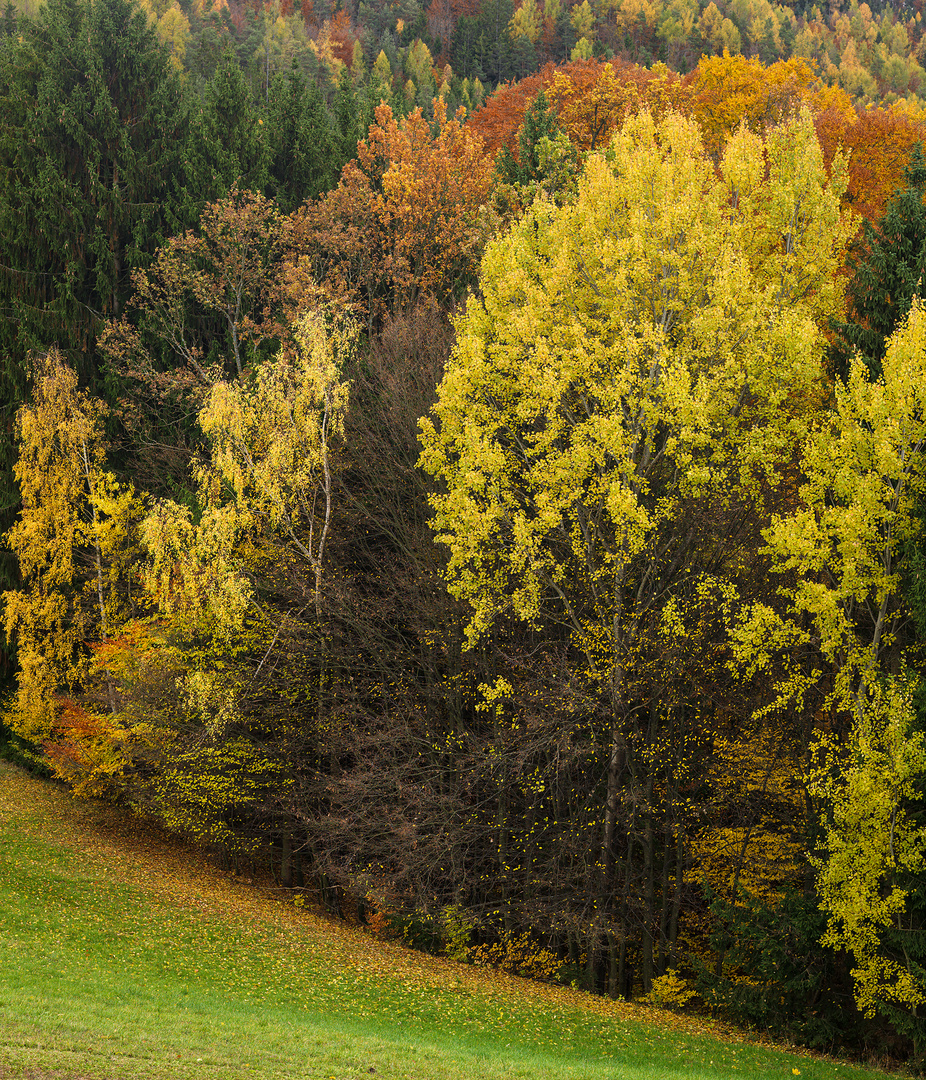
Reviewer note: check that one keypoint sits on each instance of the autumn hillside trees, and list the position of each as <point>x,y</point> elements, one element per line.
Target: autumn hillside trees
<point>615,421</point>
<point>632,693</point>
<point>406,220</point>
<point>95,173</point>
<point>886,267</point>
<point>76,542</point>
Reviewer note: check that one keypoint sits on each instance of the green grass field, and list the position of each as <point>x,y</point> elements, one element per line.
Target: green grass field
<point>123,957</point>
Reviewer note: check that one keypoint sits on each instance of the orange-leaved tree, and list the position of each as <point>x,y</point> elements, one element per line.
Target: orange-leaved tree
<point>879,143</point>
<point>406,220</point>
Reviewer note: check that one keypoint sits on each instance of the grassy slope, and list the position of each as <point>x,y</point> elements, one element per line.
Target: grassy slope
<point>123,957</point>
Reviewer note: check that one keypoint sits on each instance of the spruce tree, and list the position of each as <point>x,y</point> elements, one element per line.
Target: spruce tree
<point>539,122</point>
<point>886,265</point>
<point>351,121</point>
<point>301,164</point>
<point>93,174</point>
<point>93,177</point>
<point>231,142</point>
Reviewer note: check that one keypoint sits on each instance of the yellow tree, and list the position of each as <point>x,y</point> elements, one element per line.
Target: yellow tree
<point>841,556</point>
<point>75,543</point>
<point>613,422</point>
<point>272,438</point>
<point>727,91</point>
<point>215,764</point>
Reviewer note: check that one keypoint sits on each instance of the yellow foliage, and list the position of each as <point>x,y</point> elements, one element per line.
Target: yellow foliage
<point>527,22</point>
<point>841,544</point>
<point>840,549</point>
<point>616,333</point>
<point>753,766</point>
<point>670,991</point>
<point>75,543</point>
<point>872,841</point>
<point>173,29</point>
<point>192,571</point>
<point>272,437</point>
<point>518,954</point>
<point>732,90</point>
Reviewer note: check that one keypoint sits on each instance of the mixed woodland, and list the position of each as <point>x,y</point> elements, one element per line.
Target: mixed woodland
<point>468,462</point>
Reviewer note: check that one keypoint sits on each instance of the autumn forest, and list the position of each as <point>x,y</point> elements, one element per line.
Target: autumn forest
<point>467,462</point>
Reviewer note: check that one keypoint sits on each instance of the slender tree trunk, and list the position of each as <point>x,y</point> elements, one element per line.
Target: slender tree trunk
<point>286,861</point>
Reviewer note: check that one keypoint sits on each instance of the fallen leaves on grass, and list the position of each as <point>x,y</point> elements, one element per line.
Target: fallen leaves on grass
<point>295,957</point>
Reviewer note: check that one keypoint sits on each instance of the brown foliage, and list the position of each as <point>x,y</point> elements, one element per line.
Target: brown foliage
<point>497,122</point>
<point>213,290</point>
<point>879,143</point>
<point>343,38</point>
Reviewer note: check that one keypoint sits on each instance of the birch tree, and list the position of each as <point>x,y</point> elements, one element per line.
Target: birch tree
<point>840,554</point>
<point>273,437</point>
<point>76,544</point>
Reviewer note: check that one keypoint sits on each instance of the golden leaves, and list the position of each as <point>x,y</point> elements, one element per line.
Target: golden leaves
<point>74,539</point>
<point>658,319</point>
<point>873,841</point>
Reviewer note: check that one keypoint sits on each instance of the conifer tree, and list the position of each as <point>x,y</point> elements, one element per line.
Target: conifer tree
<point>887,266</point>
<point>94,172</point>
<point>231,138</point>
<point>539,122</point>
<point>350,123</point>
<point>301,164</point>
<point>93,176</point>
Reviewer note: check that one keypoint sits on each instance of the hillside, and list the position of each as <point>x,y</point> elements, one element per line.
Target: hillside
<point>122,955</point>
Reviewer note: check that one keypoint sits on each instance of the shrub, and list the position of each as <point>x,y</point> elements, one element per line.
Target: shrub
<point>518,954</point>
<point>670,991</point>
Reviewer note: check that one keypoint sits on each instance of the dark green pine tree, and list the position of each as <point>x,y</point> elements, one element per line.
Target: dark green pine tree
<point>539,122</point>
<point>500,63</point>
<point>229,146</point>
<point>93,174</point>
<point>351,120</point>
<point>468,48</point>
<point>301,142</point>
<point>886,264</point>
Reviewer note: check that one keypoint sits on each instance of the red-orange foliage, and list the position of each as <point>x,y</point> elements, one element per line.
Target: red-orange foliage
<point>879,142</point>
<point>343,37</point>
<point>591,96</point>
<point>497,122</point>
<point>405,219</point>
<point>83,749</point>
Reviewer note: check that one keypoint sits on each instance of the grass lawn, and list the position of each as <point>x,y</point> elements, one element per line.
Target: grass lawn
<point>123,957</point>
